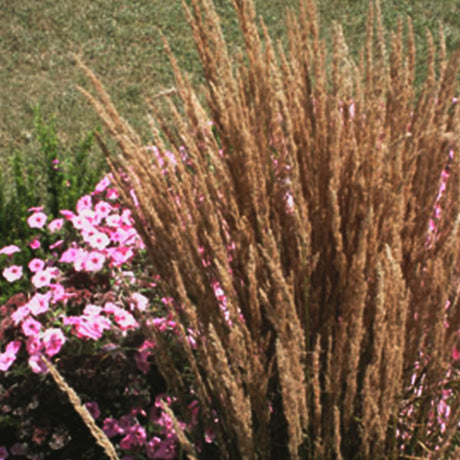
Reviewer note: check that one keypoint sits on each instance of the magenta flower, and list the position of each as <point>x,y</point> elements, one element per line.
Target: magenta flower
<point>9,250</point>
<point>55,225</point>
<point>12,273</point>
<point>31,327</point>
<point>69,255</point>
<point>37,220</point>
<point>111,427</point>
<point>93,409</point>
<point>36,265</point>
<point>53,340</point>
<point>136,436</point>
<point>3,453</point>
<point>35,244</point>
<point>103,209</point>
<point>8,357</point>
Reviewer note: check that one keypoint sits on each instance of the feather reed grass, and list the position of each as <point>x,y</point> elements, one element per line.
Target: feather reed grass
<point>321,177</point>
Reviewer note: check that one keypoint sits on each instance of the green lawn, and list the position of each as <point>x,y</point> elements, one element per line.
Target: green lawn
<point>121,42</point>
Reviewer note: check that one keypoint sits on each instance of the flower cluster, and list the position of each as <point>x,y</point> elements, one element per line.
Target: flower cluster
<point>85,291</point>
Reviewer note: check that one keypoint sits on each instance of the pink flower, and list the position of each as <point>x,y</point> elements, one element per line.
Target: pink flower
<point>12,273</point>
<point>69,256</point>
<point>20,314</point>
<point>122,317</point>
<point>31,327</point>
<point>103,209</point>
<point>8,357</point>
<point>9,250</point>
<point>84,203</point>
<point>39,303</point>
<point>53,340</point>
<point>55,225</point>
<point>112,194</point>
<point>57,244</point>
<point>37,220</point>
<point>3,453</point>
<point>67,214</point>
<point>139,301</point>
<point>36,265</point>
<point>94,261</point>
<point>136,436</point>
<point>42,278</point>
<point>37,365</point>
<point>93,409</point>
<point>35,244</point>
<point>99,240</point>
<point>111,427</point>
<point>103,184</point>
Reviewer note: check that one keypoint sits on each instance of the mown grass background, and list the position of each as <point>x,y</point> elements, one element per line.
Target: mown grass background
<point>121,42</point>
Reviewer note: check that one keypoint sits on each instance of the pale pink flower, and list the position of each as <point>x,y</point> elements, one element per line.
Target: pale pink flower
<point>123,318</point>
<point>20,313</point>
<point>69,255</point>
<point>9,250</point>
<point>56,245</point>
<point>139,301</point>
<point>114,220</point>
<point>37,365</point>
<point>36,209</point>
<point>80,259</point>
<point>81,223</point>
<point>94,261</point>
<point>12,273</point>
<point>55,225</point>
<point>83,203</point>
<point>92,310</point>
<point>37,220</point>
<point>8,357</point>
<point>36,265</point>
<point>98,240</point>
<point>31,327</point>
<point>53,340</point>
<point>42,278</point>
<point>35,244</point>
<point>39,303</point>
<point>103,209</point>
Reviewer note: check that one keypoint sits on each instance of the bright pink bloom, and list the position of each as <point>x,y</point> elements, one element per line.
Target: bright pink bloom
<point>92,310</point>
<point>120,255</point>
<point>37,220</point>
<point>112,194</point>
<point>8,357</point>
<point>12,273</point>
<point>57,244</point>
<point>31,327</point>
<point>9,250</point>
<point>136,436</point>
<point>39,303</point>
<point>90,327</point>
<point>35,244</point>
<point>53,340</point>
<point>94,261</point>
<point>36,265</point>
<point>69,255</point>
<point>67,214</point>
<point>81,223</point>
<point>55,225</point>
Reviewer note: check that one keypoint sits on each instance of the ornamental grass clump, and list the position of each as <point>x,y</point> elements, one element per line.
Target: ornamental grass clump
<point>306,226</point>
